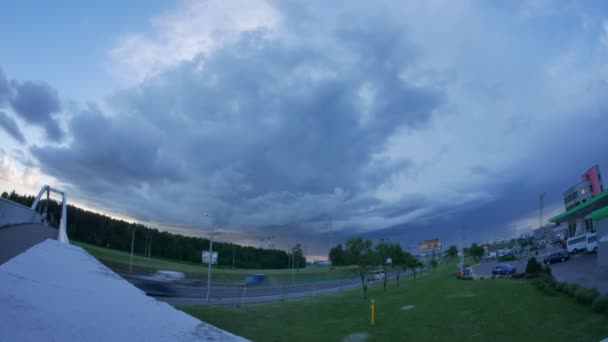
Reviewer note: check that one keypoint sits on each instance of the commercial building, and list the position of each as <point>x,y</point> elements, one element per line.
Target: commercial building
<point>581,202</point>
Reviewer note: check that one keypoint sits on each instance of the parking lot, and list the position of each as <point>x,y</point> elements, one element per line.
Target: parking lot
<point>581,269</point>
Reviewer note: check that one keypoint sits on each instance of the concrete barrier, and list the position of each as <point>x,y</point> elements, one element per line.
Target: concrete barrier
<point>12,213</point>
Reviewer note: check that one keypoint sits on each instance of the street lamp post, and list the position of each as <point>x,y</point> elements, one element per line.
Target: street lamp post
<point>209,261</point>
<point>132,245</point>
<point>541,205</point>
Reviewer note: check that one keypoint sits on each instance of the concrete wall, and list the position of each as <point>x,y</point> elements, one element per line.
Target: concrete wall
<point>602,242</point>
<point>13,213</point>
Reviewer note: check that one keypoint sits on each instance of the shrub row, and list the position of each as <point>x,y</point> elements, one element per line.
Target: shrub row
<point>583,295</point>
<point>544,287</point>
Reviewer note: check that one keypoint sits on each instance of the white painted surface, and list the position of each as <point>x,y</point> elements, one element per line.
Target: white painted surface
<point>58,292</point>
<point>13,213</point>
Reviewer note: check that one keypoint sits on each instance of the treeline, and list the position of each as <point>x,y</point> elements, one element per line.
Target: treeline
<point>104,231</point>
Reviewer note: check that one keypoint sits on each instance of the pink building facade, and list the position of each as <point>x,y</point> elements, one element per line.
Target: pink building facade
<point>594,178</point>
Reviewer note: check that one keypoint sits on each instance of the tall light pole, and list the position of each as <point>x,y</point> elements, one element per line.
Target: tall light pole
<point>541,205</point>
<point>209,262</point>
<point>132,245</point>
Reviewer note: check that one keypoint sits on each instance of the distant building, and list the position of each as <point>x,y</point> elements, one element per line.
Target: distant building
<point>549,234</point>
<point>590,186</point>
<point>583,202</point>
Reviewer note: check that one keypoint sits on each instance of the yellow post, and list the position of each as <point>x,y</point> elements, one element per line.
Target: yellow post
<point>373,312</point>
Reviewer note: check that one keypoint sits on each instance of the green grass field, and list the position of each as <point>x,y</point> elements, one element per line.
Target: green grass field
<point>119,261</point>
<point>445,309</point>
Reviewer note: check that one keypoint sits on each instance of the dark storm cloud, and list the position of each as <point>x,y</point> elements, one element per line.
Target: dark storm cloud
<point>263,133</point>
<point>348,120</point>
<point>550,170</point>
<point>36,103</point>
<point>4,88</point>
<point>10,126</point>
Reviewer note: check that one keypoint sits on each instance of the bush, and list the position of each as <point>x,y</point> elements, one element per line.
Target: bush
<point>537,282</point>
<point>561,287</point>
<point>586,296</point>
<point>546,270</point>
<point>600,304</point>
<point>533,266</point>
<point>570,289</point>
<point>543,287</point>
<point>517,275</point>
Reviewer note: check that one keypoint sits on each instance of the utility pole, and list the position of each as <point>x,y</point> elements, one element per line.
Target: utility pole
<point>132,245</point>
<point>146,245</point>
<point>288,256</point>
<point>209,261</point>
<point>541,209</point>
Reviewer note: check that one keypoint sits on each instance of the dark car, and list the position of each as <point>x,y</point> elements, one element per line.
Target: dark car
<point>503,269</point>
<point>556,257</point>
<point>255,279</point>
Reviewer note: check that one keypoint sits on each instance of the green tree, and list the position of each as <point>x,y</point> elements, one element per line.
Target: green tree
<point>476,251</point>
<point>362,254</point>
<point>452,252</point>
<point>299,261</point>
<point>385,250</point>
<point>400,259</point>
<point>337,256</point>
<point>101,230</point>
<point>414,264</point>
<point>434,264</point>
<point>5,194</point>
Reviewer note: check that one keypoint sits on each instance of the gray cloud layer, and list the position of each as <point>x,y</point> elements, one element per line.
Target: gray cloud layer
<point>350,121</point>
<point>35,102</point>
<point>265,133</point>
<point>10,126</point>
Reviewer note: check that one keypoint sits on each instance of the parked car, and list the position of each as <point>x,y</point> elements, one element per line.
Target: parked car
<point>375,275</point>
<point>556,257</point>
<point>503,269</point>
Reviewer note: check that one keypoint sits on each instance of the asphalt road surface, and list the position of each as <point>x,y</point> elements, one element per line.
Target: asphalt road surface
<point>233,294</point>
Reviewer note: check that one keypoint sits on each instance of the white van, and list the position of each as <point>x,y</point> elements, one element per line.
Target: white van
<point>169,276</point>
<point>577,244</point>
<point>375,275</point>
<point>592,243</point>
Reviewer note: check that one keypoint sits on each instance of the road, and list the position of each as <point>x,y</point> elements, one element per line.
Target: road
<point>233,294</point>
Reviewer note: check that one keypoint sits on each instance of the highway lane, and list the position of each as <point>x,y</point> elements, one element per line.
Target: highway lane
<point>234,294</point>
<point>239,294</point>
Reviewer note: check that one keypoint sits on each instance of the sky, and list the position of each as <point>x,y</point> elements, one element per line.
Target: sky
<point>306,122</point>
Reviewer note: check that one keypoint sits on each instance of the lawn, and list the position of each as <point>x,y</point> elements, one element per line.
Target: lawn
<point>445,309</point>
<point>119,261</point>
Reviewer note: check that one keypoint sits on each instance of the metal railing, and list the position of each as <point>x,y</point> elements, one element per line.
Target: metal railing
<point>62,236</point>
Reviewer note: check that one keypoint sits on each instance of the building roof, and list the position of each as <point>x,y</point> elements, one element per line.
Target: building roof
<point>583,209</point>
<point>58,292</point>
<point>600,214</point>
